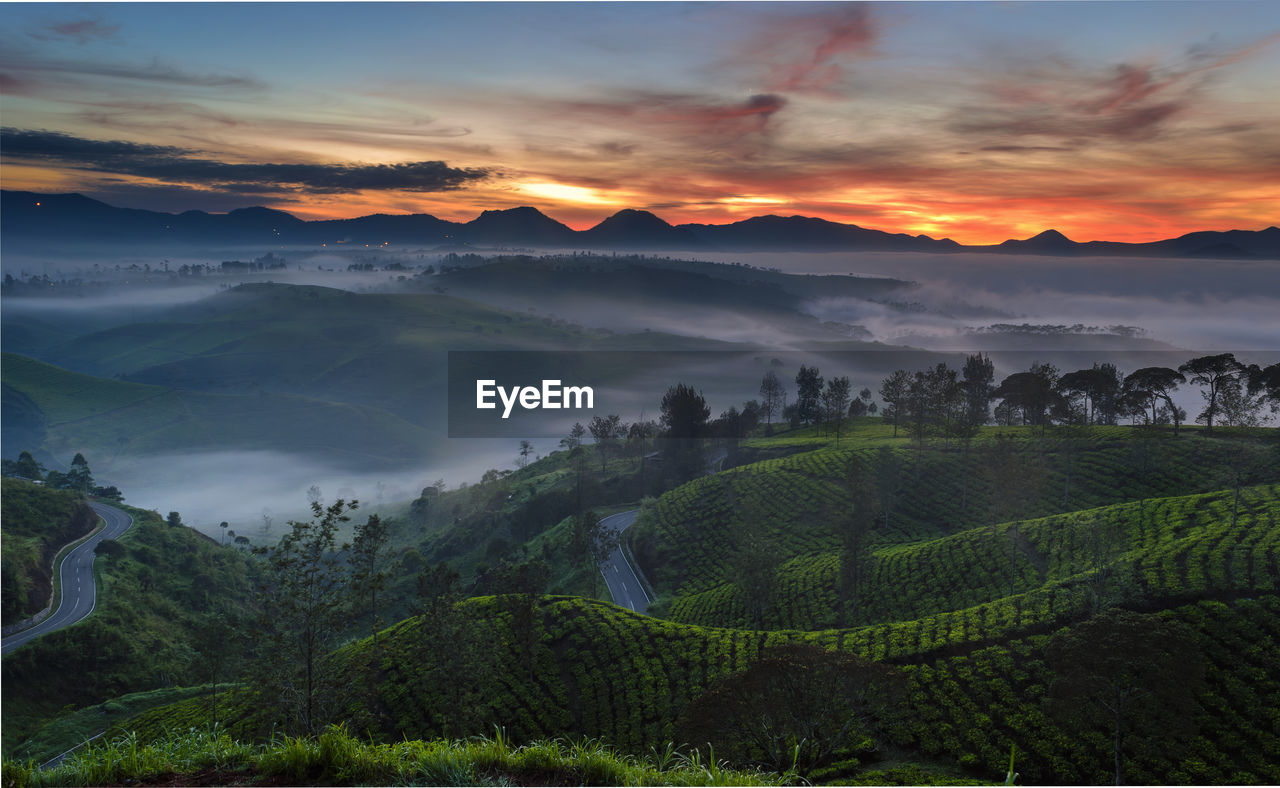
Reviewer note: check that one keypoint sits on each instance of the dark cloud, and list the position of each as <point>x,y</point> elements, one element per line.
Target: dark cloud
<point>82,31</point>
<point>681,114</point>
<point>178,165</point>
<point>156,71</point>
<point>56,145</point>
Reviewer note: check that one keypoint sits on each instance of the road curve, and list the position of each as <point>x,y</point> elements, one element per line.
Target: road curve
<point>619,575</point>
<point>79,594</point>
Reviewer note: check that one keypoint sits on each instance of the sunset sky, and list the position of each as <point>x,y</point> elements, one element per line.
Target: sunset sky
<point>976,121</point>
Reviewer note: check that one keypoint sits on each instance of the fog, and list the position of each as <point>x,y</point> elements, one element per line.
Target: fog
<point>1188,305</point>
<point>1192,304</point>
<point>239,486</point>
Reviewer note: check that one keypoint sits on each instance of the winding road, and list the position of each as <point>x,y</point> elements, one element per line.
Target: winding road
<point>619,575</point>
<point>79,594</point>
<point>622,578</point>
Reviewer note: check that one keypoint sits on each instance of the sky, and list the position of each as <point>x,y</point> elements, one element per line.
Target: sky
<point>978,121</point>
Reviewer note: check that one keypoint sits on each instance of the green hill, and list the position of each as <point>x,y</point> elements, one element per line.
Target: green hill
<point>105,417</point>
<point>37,523</point>
<point>694,541</point>
<point>171,603</point>
<point>990,556</point>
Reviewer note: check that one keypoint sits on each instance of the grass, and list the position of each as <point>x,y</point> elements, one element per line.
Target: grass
<point>210,756</point>
<point>74,727</point>
<point>164,609</point>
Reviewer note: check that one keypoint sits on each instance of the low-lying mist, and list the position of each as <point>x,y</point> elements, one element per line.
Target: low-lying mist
<point>239,487</point>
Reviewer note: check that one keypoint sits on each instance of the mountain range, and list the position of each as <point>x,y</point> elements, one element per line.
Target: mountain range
<point>32,218</point>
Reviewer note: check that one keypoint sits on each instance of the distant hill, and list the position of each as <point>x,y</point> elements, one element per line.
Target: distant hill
<point>29,218</point>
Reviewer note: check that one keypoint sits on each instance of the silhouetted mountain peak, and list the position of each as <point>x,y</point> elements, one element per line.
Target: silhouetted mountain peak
<point>259,215</point>
<point>1051,235</point>
<point>634,219</point>
<point>640,229</point>
<point>525,225</point>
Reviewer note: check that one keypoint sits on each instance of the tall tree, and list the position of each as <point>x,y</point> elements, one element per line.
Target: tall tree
<point>302,611</point>
<point>368,570</point>
<point>522,582</point>
<point>684,422</point>
<point>893,392</point>
<point>835,401</point>
<point>574,439</point>
<point>1212,372</point>
<point>978,381</point>
<point>808,394</point>
<point>1030,393</point>
<point>526,448</point>
<point>856,526</point>
<point>1265,381</point>
<point>772,393</point>
<point>1134,675</point>
<point>1156,385</point>
<point>79,477</point>
<point>452,654</point>
<point>606,430</point>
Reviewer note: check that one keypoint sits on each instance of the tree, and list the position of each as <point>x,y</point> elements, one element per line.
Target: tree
<point>574,439</point>
<point>1264,381</point>
<point>888,481</point>
<point>593,543</point>
<point>526,448</point>
<point>1212,372</point>
<point>1134,675</point>
<point>771,396</point>
<point>174,520</point>
<point>606,430</point>
<point>808,394</point>
<point>1155,385</point>
<point>301,614</point>
<point>978,376</point>
<point>835,402</point>
<point>1237,406</point>
<point>368,573</point>
<point>684,421</point>
<point>893,392</point>
<point>79,477</point>
<point>855,526</point>
<point>862,404</point>
<point>27,467</point>
<point>451,654</point>
<point>522,582</point>
<point>798,705</point>
<point>755,564</point>
<point>224,525</point>
<point>1029,393</point>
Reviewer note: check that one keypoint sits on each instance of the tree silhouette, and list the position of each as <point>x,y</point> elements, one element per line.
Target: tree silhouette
<point>1213,372</point>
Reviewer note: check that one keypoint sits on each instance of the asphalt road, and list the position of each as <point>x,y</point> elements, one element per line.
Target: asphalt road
<point>619,576</point>
<point>79,595</point>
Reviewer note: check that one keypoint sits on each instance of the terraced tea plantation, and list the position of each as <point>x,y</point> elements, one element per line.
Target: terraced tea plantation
<point>972,583</point>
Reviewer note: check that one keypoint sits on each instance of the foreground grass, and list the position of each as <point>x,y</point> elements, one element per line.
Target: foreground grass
<point>211,757</point>
<point>75,727</point>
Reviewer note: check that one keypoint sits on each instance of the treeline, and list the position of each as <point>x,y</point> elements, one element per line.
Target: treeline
<point>948,402</point>
<point>78,477</point>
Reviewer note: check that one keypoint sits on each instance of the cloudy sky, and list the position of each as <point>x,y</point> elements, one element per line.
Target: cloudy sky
<point>977,121</point>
